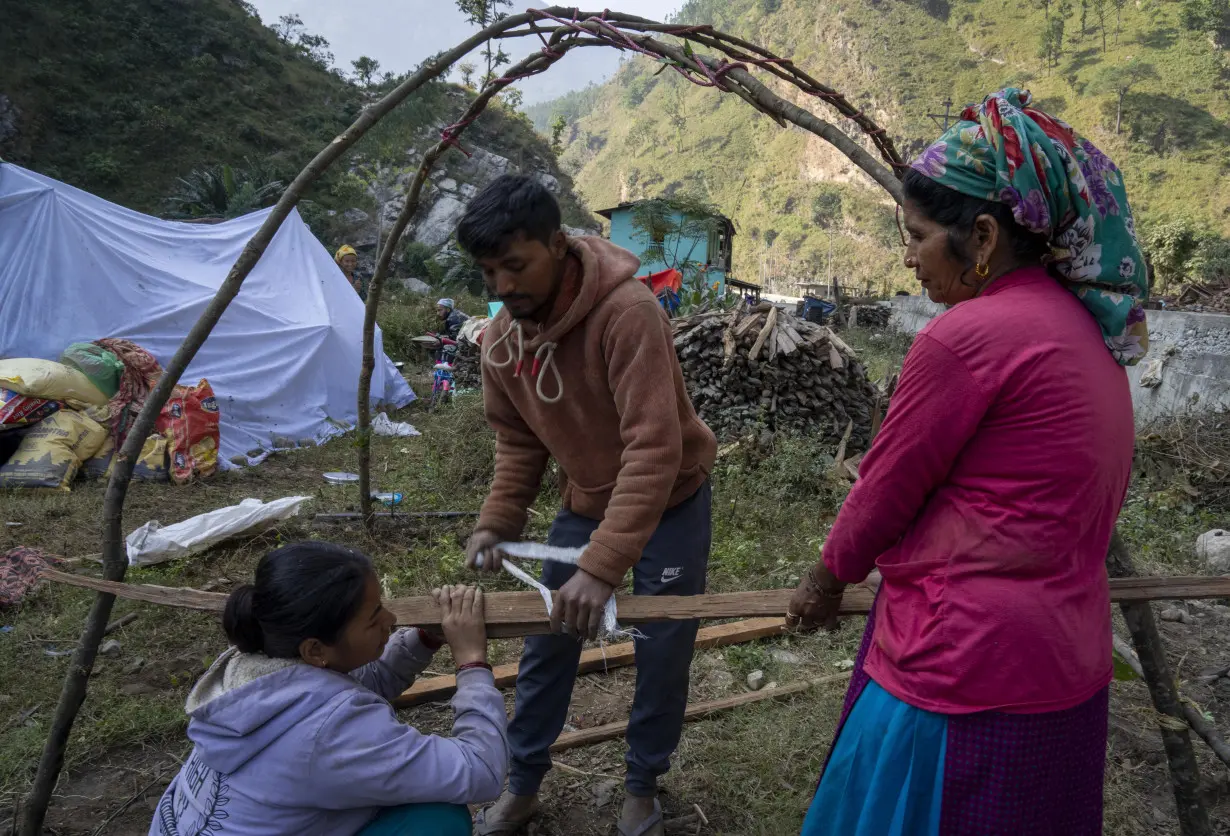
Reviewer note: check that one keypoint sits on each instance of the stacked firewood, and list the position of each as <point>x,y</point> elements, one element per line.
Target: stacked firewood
<point>467,371</point>
<point>765,369</point>
<point>868,316</point>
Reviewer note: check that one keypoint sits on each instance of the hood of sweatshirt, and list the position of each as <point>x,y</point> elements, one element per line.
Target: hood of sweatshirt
<point>246,702</point>
<point>604,267</point>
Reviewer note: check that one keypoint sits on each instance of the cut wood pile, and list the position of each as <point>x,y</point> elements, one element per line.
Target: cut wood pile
<point>762,368</point>
<point>467,372</point>
<point>1203,298</point>
<point>868,316</point>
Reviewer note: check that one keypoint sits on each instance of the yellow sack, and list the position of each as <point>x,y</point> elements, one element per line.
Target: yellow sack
<point>51,452</point>
<point>99,465</point>
<point>152,464</point>
<point>50,381</point>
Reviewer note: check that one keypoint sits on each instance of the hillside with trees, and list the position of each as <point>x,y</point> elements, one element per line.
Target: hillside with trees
<point>1148,81</point>
<point>198,108</point>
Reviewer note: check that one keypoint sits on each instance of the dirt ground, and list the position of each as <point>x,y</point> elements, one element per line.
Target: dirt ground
<point>750,771</point>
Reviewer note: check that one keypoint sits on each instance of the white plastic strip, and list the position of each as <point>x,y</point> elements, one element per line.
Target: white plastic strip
<point>542,552</point>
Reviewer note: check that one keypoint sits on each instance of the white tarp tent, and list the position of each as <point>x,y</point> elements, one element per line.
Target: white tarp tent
<point>284,359</point>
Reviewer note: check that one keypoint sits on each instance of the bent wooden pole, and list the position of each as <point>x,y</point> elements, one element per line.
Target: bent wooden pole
<point>598,659</point>
<point>696,711</point>
<point>72,695</point>
<point>1184,771</point>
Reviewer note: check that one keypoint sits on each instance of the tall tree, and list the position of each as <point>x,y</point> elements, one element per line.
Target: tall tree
<point>1050,48</point>
<point>288,28</point>
<point>1118,4</point>
<point>1099,14</point>
<point>483,13</point>
<point>1119,81</point>
<point>365,69</point>
<point>466,70</point>
<point>558,126</point>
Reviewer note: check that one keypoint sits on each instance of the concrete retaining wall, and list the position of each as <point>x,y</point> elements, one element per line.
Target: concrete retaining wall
<point>1187,369</point>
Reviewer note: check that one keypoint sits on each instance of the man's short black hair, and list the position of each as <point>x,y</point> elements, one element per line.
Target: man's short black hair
<point>510,204</point>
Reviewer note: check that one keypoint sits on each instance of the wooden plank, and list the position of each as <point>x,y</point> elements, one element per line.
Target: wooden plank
<point>522,613</point>
<point>697,711</point>
<point>598,659</point>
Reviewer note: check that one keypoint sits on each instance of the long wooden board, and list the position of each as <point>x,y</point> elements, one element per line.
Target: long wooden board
<point>696,711</point>
<point>511,614</point>
<point>597,659</point>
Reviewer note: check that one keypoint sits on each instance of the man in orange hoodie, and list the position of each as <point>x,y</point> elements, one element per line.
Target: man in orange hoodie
<point>580,367</point>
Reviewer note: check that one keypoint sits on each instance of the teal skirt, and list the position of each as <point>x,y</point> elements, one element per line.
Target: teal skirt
<point>420,820</point>
<point>885,776</point>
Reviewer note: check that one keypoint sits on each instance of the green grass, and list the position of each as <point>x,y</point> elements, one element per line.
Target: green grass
<point>751,771</point>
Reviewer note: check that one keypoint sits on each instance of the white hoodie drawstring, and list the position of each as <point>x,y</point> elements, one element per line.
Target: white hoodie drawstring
<point>544,358</point>
<point>500,364</point>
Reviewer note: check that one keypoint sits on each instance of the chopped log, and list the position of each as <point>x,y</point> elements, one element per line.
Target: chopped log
<point>599,659</point>
<point>523,613</point>
<point>698,711</point>
<point>770,322</point>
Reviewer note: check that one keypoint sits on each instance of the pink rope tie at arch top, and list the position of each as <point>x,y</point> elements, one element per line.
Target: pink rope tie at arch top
<point>544,359</point>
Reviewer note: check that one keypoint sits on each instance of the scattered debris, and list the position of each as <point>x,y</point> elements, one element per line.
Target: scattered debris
<point>134,667</point>
<point>151,543</point>
<point>121,623</point>
<point>765,369</point>
<point>785,657</point>
<point>756,680</point>
<point>605,791</point>
<point>1213,547</point>
<point>381,425</point>
<point>110,648</point>
<point>1177,615</point>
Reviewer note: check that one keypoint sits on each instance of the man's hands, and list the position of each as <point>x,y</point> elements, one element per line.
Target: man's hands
<point>482,543</point>
<point>463,622</point>
<point>580,603</point>
<point>579,607</point>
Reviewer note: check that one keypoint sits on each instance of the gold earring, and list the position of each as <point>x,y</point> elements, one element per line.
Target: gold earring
<point>982,270</point>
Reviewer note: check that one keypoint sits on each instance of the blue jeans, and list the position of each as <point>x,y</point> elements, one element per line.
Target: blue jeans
<point>673,563</point>
<point>421,820</point>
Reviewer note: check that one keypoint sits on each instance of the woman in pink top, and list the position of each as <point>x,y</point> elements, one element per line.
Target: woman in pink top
<point>988,500</point>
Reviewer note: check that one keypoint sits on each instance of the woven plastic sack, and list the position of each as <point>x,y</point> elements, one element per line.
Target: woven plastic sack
<point>101,366</point>
<point>51,452</point>
<point>22,410</point>
<point>98,466</point>
<point>190,422</point>
<point>49,380</point>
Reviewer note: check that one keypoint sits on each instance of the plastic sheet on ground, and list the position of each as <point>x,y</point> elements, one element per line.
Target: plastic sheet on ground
<point>382,425</point>
<point>152,543</point>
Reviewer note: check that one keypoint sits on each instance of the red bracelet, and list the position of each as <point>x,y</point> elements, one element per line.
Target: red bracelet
<point>429,641</point>
<point>468,665</point>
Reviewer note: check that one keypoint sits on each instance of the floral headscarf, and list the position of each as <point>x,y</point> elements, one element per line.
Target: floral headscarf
<point>342,252</point>
<point>1059,185</point>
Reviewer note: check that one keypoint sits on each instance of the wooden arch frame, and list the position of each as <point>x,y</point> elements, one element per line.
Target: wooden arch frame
<point>560,30</point>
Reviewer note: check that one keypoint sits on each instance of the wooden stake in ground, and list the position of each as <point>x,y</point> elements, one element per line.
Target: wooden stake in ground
<point>1184,772</point>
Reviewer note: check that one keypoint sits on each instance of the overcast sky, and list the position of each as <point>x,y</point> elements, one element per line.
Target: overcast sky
<point>401,33</point>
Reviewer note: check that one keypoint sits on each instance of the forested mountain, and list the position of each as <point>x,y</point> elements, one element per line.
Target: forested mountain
<point>1149,81</point>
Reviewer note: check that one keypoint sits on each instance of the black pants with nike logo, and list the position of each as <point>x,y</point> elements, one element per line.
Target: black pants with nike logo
<point>674,563</point>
